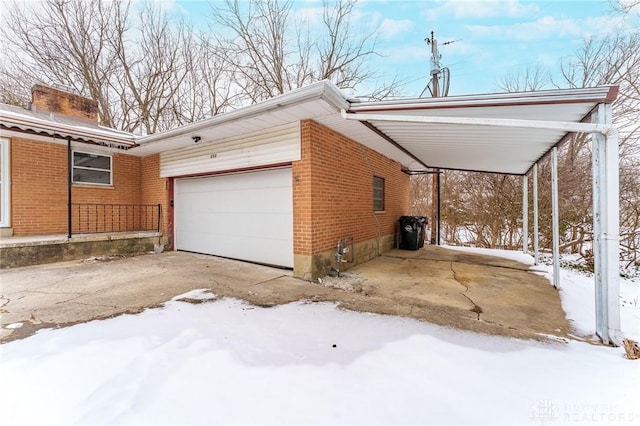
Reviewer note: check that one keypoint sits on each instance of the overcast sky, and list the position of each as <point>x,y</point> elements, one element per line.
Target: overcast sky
<point>490,37</point>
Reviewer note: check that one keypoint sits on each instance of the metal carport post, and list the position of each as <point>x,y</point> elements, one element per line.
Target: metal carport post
<point>605,197</point>
<point>536,236</point>
<point>606,227</point>
<point>525,214</point>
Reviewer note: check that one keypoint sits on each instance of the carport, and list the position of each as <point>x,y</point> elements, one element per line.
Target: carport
<point>509,134</point>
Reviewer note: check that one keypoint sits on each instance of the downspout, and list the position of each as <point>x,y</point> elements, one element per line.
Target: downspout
<point>69,184</point>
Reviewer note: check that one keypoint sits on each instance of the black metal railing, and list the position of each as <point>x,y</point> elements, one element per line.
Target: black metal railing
<point>101,218</point>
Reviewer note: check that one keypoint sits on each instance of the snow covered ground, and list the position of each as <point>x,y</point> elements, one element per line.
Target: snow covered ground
<point>226,362</point>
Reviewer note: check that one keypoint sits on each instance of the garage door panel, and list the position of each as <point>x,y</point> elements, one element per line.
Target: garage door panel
<point>246,216</point>
<point>231,224</point>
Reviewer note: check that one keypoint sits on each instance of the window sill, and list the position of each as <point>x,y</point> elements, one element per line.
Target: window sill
<point>92,185</point>
<point>379,211</point>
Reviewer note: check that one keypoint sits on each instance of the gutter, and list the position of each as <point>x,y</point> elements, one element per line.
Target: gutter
<point>606,94</point>
<point>320,90</point>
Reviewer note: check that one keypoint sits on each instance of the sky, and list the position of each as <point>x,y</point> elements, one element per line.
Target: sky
<point>227,362</point>
<point>490,38</point>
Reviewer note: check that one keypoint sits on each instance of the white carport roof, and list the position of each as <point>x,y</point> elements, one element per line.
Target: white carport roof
<point>485,147</point>
<point>418,146</point>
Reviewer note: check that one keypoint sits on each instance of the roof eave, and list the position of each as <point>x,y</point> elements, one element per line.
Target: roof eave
<point>321,90</point>
<point>602,94</point>
<point>28,124</point>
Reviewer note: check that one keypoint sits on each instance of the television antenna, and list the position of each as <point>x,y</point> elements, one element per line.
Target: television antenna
<point>438,85</point>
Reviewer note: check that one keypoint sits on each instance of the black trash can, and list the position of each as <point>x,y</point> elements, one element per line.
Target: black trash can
<point>412,232</point>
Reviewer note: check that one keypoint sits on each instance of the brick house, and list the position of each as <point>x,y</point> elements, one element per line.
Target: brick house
<point>37,146</point>
<point>285,181</point>
<point>280,182</point>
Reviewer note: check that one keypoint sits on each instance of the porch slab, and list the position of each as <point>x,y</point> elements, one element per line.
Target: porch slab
<point>458,290</point>
<point>39,249</point>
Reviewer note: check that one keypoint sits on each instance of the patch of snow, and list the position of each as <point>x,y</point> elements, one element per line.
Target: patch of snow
<point>14,326</point>
<point>304,363</point>
<point>198,294</point>
<point>577,294</point>
<point>518,256</point>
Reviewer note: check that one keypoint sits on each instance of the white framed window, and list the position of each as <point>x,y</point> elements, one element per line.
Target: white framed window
<point>378,194</point>
<point>91,168</point>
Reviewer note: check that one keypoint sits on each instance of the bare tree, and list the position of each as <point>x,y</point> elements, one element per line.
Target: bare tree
<point>530,78</point>
<point>206,89</point>
<point>153,71</point>
<point>146,72</point>
<point>66,42</point>
<point>272,52</point>
<point>342,49</point>
<point>15,88</point>
<point>624,6</point>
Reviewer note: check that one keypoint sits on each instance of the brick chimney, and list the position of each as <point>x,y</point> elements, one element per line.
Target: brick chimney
<point>45,98</point>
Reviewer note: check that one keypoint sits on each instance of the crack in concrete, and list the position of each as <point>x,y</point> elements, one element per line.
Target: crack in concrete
<point>476,308</point>
<point>98,305</point>
<point>47,292</point>
<point>269,280</point>
<point>78,295</point>
<point>525,267</point>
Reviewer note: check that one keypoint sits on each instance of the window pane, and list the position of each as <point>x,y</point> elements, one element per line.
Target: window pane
<point>92,161</point>
<point>91,176</point>
<point>378,193</point>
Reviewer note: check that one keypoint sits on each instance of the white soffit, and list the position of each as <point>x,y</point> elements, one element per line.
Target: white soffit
<point>484,148</point>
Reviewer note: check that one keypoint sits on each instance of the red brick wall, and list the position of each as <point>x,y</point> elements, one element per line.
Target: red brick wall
<point>155,190</point>
<point>333,191</point>
<point>39,186</point>
<point>46,98</point>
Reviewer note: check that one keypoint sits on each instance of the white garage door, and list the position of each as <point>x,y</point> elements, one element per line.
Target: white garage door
<point>247,216</point>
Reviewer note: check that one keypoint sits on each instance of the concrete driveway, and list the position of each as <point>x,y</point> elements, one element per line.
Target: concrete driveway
<point>468,291</point>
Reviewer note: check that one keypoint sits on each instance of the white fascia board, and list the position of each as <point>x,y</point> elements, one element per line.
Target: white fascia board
<point>595,95</point>
<point>320,90</point>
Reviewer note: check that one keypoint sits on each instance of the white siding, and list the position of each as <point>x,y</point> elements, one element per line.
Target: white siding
<point>277,145</point>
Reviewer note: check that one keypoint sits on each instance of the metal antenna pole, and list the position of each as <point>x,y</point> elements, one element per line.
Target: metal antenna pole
<point>435,178</point>
<point>436,72</point>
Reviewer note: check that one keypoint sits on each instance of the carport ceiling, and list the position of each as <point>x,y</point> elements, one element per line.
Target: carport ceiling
<point>508,150</point>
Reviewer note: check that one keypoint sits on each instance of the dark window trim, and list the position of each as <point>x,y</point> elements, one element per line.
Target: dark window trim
<point>378,201</point>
